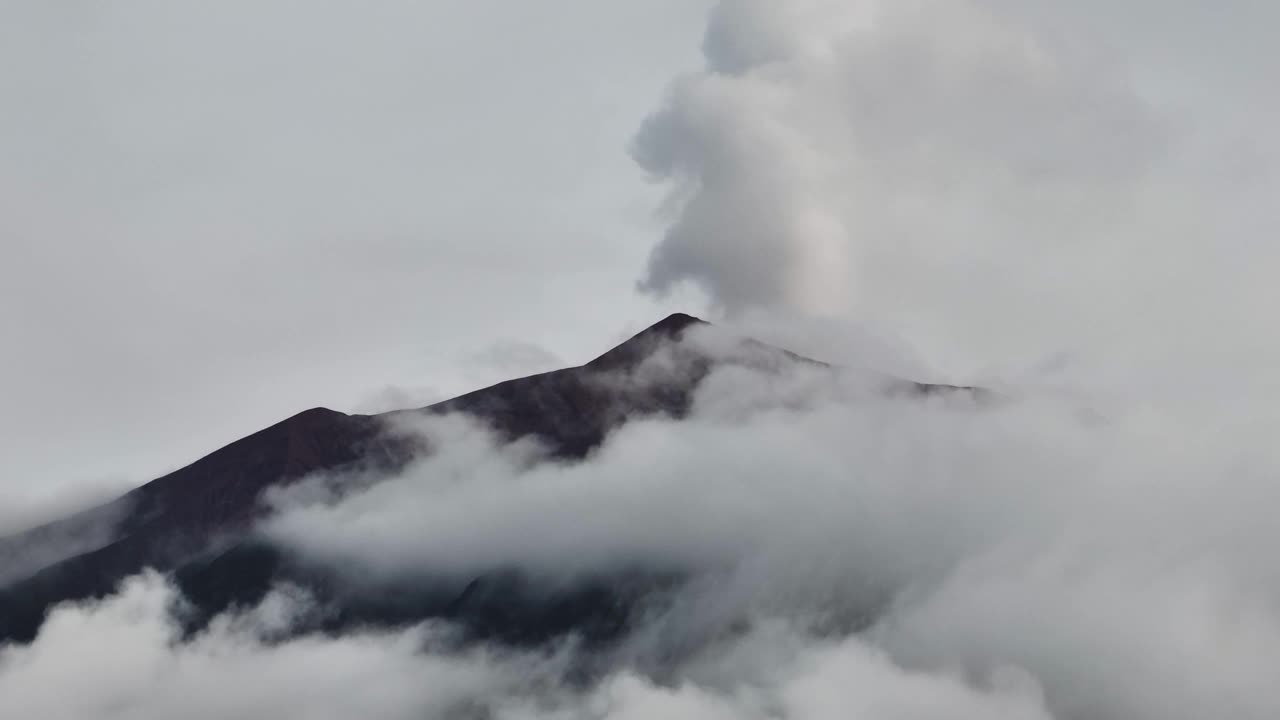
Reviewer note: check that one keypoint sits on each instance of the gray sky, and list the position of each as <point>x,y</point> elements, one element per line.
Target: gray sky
<point>216,214</point>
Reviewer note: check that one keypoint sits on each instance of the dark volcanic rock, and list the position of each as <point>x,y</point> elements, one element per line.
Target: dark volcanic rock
<point>174,518</point>
<point>196,522</point>
<point>572,410</point>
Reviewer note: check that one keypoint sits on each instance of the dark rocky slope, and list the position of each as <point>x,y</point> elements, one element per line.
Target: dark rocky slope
<point>197,522</point>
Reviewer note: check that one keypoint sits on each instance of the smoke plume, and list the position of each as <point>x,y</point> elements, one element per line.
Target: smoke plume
<point>992,181</point>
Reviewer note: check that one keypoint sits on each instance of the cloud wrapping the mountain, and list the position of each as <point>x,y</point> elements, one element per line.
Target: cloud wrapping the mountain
<point>955,170</point>
<point>1123,562</point>
<point>901,556</point>
<point>128,666</point>
<point>124,657</point>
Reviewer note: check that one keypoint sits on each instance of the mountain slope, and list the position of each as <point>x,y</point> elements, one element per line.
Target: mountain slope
<point>197,521</point>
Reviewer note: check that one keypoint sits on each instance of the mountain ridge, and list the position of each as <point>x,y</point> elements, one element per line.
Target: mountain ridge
<point>197,521</point>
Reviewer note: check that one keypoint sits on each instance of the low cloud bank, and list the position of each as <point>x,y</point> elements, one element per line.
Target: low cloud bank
<point>127,664</point>
<point>841,547</point>
<point>845,550</point>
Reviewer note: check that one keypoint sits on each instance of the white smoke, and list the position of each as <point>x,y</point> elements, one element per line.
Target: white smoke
<point>985,178</point>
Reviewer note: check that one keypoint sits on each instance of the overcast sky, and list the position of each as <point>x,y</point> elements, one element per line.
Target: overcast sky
<point>214,215</point>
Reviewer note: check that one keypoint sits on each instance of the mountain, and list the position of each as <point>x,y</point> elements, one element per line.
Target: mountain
<point>197,523</point>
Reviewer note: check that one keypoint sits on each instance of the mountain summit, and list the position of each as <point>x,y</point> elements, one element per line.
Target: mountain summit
<point>198,522</point>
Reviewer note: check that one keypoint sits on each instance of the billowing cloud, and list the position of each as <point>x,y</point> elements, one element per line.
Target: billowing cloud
<point>128,666</point>
<point>1118,565</point>
<point>903,556</point>
<point>994,181</point>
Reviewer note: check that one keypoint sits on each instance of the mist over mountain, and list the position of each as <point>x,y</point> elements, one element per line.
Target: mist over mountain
<point>692,523</point>
<point>204,522</point>
<point>982,425</point>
